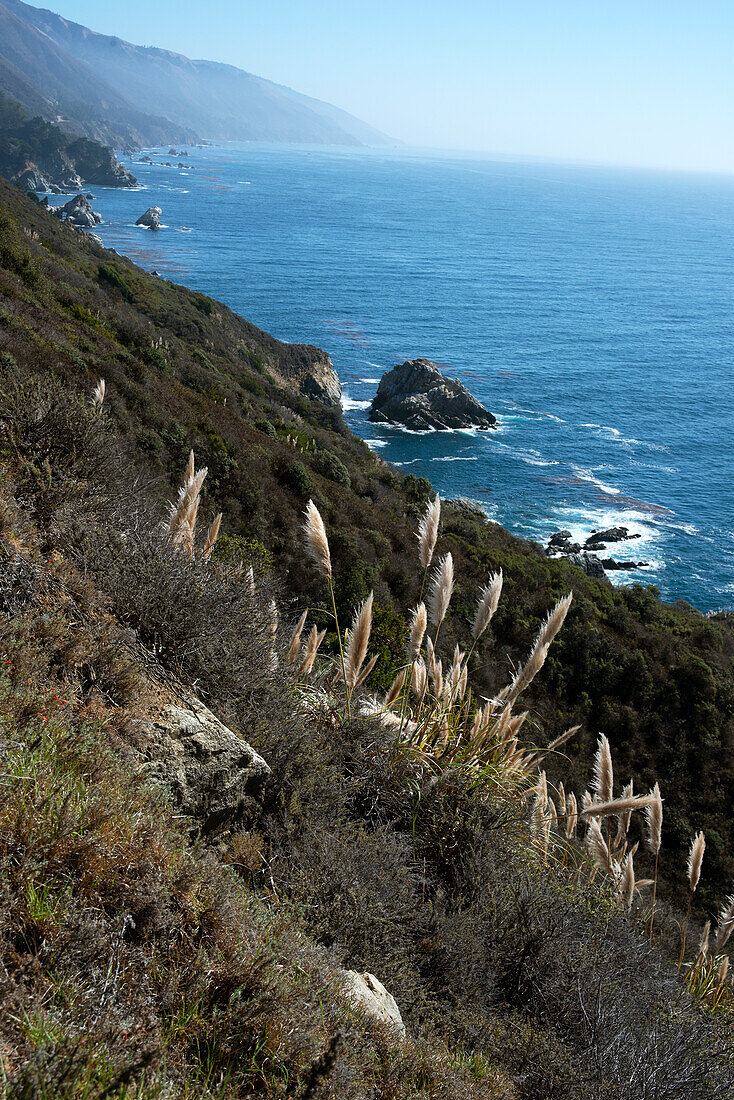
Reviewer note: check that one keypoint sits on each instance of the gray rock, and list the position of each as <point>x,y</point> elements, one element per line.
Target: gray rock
<point>417,395</point>
<point>214,776</point>
<point>79,213</point>
<point>96,239</point>
<point>369,994</point>
<point>32,180</point>
<point>610,563</point>
<point>590,565</point>
<point>151,218</point>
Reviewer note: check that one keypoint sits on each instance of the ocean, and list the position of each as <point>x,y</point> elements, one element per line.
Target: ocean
<point>590,309</point>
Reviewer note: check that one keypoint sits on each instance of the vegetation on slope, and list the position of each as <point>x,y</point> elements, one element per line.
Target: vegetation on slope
<point>140,960</point>
<point>184,371</point>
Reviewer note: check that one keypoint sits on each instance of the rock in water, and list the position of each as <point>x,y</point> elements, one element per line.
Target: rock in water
<point>418,396</point>
<point>151,218</point>
<point>366,991</point>
<point>79,212</point>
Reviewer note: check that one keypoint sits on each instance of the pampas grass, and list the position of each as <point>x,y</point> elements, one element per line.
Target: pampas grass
<point>603,771</point>
<point>618,806</point>
<point>695,859</point>
<point>654,815</point>
<point>317,544</point>
<point>428,532</point>
<point>359,637</point>
<point>442,587</point>
<point>418,624</point>
<point>211,537</point>
<point>489,599</point>
<point>294,646</point>
<point>98,395</point>
<point>315,639</point>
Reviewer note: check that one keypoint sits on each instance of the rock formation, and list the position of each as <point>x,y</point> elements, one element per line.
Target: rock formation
<point>78,212</point>
<point>151,218</point>
<point>418,396</point>
<point>212,774</point>
<point>366,991</point>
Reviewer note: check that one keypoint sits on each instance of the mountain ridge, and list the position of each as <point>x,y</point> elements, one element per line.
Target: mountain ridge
<point>220,102</point>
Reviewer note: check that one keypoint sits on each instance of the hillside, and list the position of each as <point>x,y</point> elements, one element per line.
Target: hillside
<point>181,900</point>
<point>219,102</point>
<point>183,370</point>
<point>40,156</point>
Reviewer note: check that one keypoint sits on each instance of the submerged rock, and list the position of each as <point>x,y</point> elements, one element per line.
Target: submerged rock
<point>366,991</point>
<point>151,218</point>
<point>417,395</point>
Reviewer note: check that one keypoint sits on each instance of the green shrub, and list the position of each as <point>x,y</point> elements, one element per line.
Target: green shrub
<point>330,465</point>
<point>111,276</point>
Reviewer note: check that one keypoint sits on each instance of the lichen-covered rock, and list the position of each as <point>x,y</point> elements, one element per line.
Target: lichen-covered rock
<point>417,395</point>
<point>366,991</point>
<point>214,776</point>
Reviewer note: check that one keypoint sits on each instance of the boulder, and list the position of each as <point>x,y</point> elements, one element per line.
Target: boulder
<point>369,994</point>
<point>213,775</point>
<point>590,565</point>
<point>417,395</point>
<point>151,218</point>
<point>610,563</point>
<point>79,213</point>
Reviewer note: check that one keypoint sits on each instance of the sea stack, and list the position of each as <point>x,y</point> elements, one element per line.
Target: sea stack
<point>417,395</point>
<point>151,218</point>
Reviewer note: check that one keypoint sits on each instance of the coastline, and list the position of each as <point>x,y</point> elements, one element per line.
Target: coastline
<point>550,467</point>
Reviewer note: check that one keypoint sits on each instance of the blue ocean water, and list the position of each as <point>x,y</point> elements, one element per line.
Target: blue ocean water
<point>592,310</point>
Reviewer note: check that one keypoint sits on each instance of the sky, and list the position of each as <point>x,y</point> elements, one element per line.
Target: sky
<point>642,83</point>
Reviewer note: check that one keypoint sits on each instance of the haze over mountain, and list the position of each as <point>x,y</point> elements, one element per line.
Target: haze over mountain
<point>130,95</point>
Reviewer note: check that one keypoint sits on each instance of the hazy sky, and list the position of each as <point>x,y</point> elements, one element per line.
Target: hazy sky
<point>639,83</point>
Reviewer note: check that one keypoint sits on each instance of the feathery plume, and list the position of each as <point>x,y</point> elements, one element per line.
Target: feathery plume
<point>561,790</point>
<point>597,846</point>
<point>419,678</point>
<point>618,806</point>
<point>317,543</point>
<point>418,624</point>
<point>359,637</point>
<point>190,467</point>
<point>430,656</point>
<point>438,679</point>
<point>294,646</point>
<point>725,924</point>
<point>250,580</point>
<point>489,598</point>
<point>626,815</point>
<point>571,816</point>
<point>98,394</point>
<point>603,771</point>
<point>315,639</point>
<point>704,945</point>
<point>366,671</point>
<point>395,688</point>
<point>442,586</point>
<point>695,859</point>
<point>211,537</point>
<point>654,815</point>
<point>428,532</point>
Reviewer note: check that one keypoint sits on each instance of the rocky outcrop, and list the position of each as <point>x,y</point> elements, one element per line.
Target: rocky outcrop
<point>151,218</point>
<point>312,371</point>
<point>78,212</point>
<point>369,994</point>
<point>417,395</point>
<point>214,777</point>
<point>597,540</point>
<point>590,565</point>
<point>560,543</point>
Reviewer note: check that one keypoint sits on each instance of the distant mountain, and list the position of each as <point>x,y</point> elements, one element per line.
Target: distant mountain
<point>46,80</point>
<point>219,102</point>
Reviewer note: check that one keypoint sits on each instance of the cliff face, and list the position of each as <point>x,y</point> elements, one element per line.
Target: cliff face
<point>40,156</point>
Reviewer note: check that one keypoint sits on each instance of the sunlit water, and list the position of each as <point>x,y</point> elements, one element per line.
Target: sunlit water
<point>591,310</point>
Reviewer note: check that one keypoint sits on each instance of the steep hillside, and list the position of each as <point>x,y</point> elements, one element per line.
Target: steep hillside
<point>40,155</point>
<point>183,371</point>
<point>219,101</point>
<point>72,92</point>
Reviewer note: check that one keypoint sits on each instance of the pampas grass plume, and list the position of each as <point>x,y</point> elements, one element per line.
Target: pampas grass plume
<point>317,543</point>
<point>489,598</point>
<point>695,859</point>
<point>359,637</point>
<point>654,815</point>
<point>418,624</point>
<point>428,531</point>
<point>603,771</point>
<point>442,587</point>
